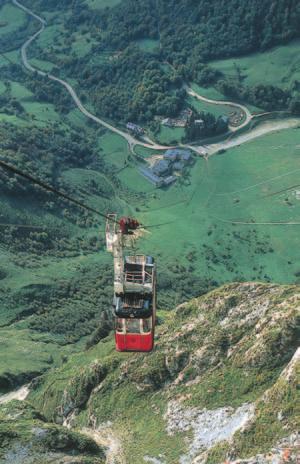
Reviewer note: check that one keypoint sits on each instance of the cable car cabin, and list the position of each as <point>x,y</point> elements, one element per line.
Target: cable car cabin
<point>138,276</point>
<point>134,334</point>
<point>133,305</point>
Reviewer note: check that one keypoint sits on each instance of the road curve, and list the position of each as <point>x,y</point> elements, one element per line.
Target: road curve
<point>132,141</point>
<point>248,115</point>
<point>263,129</point>
<point>202,150</point>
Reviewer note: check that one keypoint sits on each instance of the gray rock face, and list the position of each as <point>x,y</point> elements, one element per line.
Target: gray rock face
<point>209,426</point>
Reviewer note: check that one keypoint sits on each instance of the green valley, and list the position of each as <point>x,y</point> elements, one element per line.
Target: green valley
<point>224,234</point>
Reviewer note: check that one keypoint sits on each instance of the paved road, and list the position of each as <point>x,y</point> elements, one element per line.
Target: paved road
<point>263,129</point>
<point>248,115</point>
<point>132,141</point>
<point>203,150</point>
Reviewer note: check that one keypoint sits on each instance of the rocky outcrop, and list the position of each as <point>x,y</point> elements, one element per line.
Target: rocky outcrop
<point>26,438</point>
<point>222,369</point>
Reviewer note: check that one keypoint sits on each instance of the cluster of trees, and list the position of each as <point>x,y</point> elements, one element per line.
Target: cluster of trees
<point>130,86</point>
<point>226,28</point>
<point>178,283</point>
<point>10,105</point>
<point>50,153</point>
<point>133,85</point>
<point>204,125</point>
<point>46,151</point>
<point>73,308</point>
<point>48,91</point>
<point>15,39</point>
<point>268,97</point>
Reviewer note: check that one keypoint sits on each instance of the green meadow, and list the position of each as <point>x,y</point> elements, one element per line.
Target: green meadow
<point>279,66</point>
<point>148,45</point>
<point>39,112</point>
<point>98,4</point>
<point>11,19</point>
<point>192,223</point>
<point>216,110</point>
<point>208,92</point>
<point>201,208</point>
<point>169,135</point>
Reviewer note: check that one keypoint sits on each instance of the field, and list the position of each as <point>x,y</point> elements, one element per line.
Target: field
<point>148,45</point>
<point>169,135</point>
<point>200,211</point>
<point>208,92</point>
<point>11,19</point>
<point>216,110</point>
<point>98,4</point>
<point>192,233</point>
<point>279,66</point>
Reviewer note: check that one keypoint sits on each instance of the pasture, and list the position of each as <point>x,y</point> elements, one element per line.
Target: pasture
<point>202,212</point>
<point>279,66</point>
<point>11,19</point>
<point>99,4</point>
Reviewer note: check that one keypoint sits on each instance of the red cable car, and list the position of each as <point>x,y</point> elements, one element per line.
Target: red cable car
<point>134,334</point>
<point>134,303</point>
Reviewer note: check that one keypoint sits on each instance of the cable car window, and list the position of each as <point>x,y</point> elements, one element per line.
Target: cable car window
<point>133,326</point>
<point>120,326</point>
<point>147,325</point>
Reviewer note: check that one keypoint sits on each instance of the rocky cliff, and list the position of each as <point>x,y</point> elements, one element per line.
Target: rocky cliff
<point>220,386</point>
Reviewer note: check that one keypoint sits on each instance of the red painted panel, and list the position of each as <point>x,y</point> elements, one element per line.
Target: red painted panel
<point>134,342</point>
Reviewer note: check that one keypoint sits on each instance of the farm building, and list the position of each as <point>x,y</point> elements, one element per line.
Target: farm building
<point>135,128</point>
<point>162,172</point>
<point>186,156</point>
<point>169,180</point>
<point>167,122</point>
<point>171,155</point>
<point>174,154</point>
<point>199,122</point>
<point>161,168</point>
<point>149,175</point>
<point>178,166</point>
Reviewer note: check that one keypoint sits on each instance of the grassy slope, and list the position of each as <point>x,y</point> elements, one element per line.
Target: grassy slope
<point>196,210</point>
<point>249,332</point>
<point>98,4</point>
<point>11,19</point>
<point>225,189</point>
<point>26,437</point>
<point>205,245</point>
<point>279,66</point>
<point>26,352</point>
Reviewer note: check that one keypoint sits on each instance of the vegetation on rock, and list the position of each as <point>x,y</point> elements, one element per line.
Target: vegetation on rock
<point>225,349</point>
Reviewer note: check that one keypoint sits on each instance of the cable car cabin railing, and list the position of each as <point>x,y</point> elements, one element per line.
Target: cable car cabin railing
<point>138,277</point>
<point>134,277</point>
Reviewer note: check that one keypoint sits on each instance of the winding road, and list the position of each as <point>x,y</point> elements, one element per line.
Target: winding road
<point>132,141</point>
<point>203,150</point>
<point>248,115</point>
<point>264,128</point>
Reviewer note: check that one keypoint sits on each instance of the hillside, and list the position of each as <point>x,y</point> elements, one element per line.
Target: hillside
<point>26,438</point>
<point>224,367</point>
<point>221,385</point>
<point>119,56</point>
